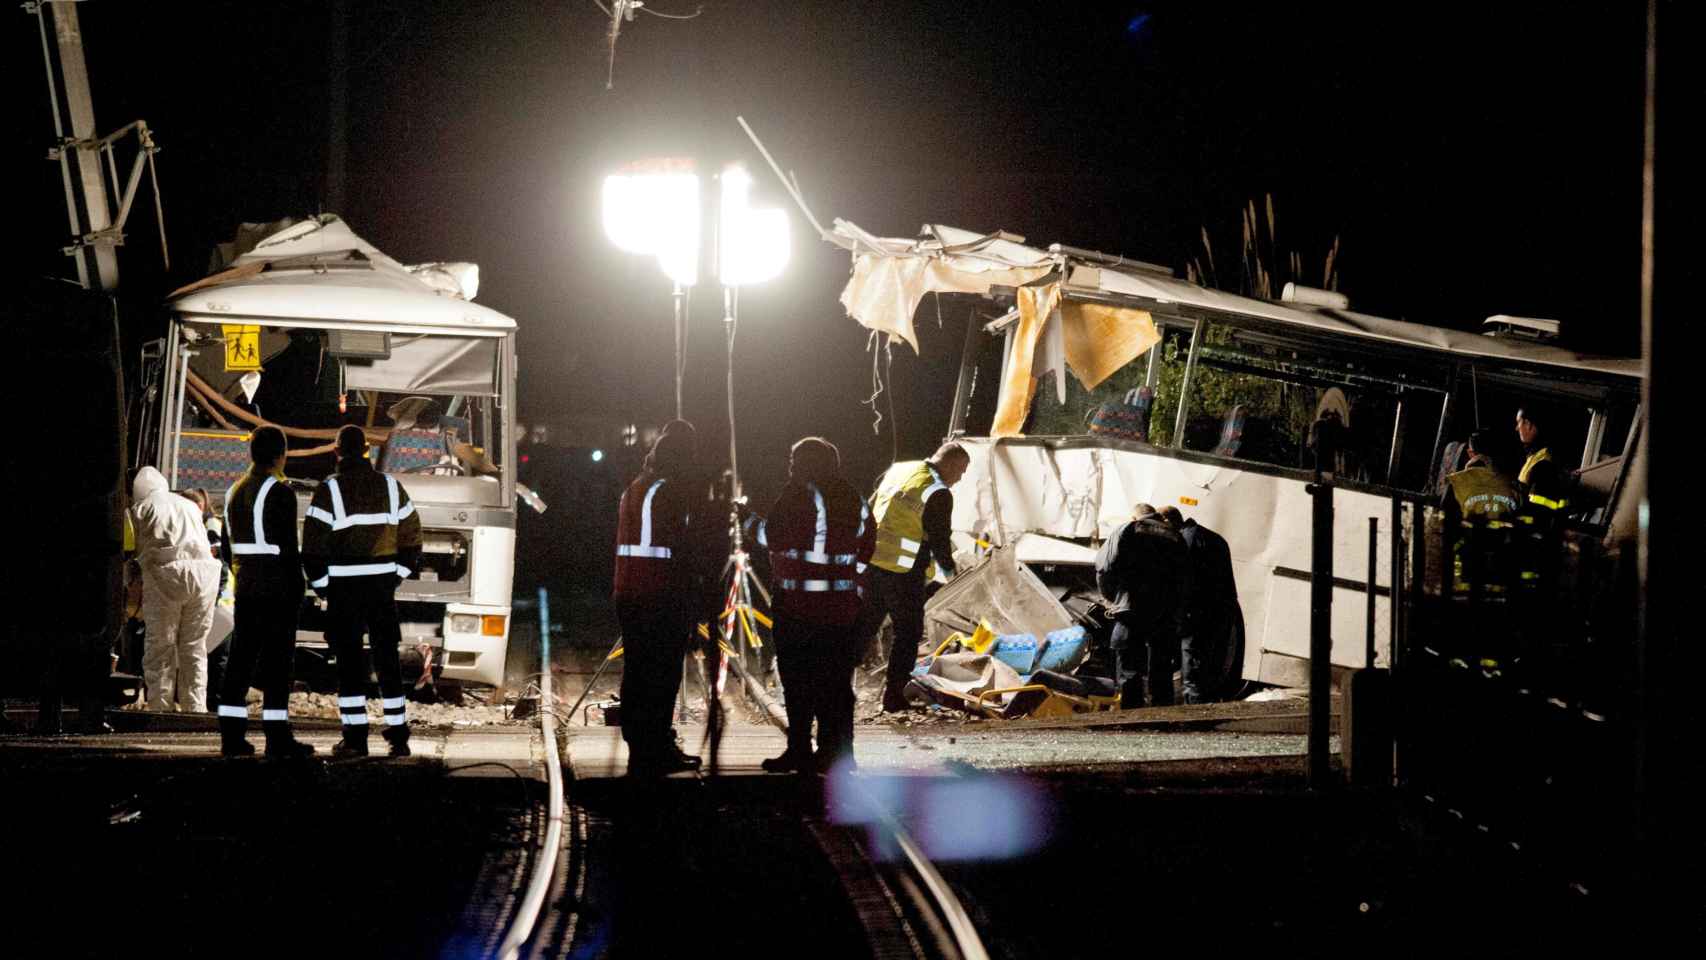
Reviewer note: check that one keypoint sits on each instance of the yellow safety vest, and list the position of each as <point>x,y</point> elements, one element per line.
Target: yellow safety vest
<point>898,506</point>
<point>1538,456</point>
<point>1540,500</point>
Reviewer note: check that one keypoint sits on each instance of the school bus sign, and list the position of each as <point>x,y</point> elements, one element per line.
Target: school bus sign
<point>242,347</point>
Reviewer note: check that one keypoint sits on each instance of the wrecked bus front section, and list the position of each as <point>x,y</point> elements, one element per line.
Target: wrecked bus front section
<point>1203,400</point>
<point>314,329</point>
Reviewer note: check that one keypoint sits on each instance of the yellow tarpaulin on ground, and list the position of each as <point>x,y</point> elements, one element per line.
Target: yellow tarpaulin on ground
<point>1096,339</point>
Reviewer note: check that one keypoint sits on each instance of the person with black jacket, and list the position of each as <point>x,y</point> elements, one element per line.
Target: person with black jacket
<point>819,532</point>
<point>361,538</point>
<point>1142,572</point>
<point>662,590</point>
<point>259,537</point>
<point>1211,601</point>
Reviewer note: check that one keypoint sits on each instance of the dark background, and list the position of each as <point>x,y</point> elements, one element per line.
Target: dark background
<point>1474,158</point>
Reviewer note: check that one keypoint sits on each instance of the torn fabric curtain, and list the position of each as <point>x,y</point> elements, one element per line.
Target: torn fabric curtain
<point>1093,339</point>
<point>885,290</point>
<point>431,365</point>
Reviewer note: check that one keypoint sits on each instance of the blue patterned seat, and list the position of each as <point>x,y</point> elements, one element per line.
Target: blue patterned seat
<point>212,459</point>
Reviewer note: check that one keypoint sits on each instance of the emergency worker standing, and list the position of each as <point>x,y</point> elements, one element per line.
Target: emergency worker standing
<point>819,532</point>
<point>360,538</point>
<point>1485,497</point>
<point>1541,478</point>
<point>1544,502</point>
<point>660,593</point>
<point>1211,598</point>
<point>914,509</point>
<point>1142,571</point>
<point>260,539</point>
<point>180,584</point>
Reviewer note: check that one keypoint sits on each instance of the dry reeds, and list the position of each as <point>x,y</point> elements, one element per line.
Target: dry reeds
<point>1262,272</point>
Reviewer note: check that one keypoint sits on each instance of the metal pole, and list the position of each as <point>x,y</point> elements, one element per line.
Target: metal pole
<point>968,376</point>
<point>64,158</point>
<point>680,343</point>
<point>1185,386</point>
<point>544,630</point>
<point>1373,568</point>
<point>80,104</point>
<point>1320,635</point>
<point>731,306</point>
<point>1395,579</point>
<point>177,426</point>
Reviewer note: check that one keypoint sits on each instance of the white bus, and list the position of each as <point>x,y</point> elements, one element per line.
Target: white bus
<point>1235,382</point>
<point>314,328</point>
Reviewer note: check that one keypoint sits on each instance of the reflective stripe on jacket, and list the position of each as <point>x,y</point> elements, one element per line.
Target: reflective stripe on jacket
<point>651,538</point>
<point>360,523</point>
<point>819,536</point>
<point>260,535</point>
<point>898,506</point>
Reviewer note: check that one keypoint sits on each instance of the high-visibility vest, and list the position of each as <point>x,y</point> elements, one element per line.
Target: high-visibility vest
<point>818,544</point>
<point>360,523</point>
<point>1541,499</point>
<point>263,555</point>
<point>1482,492</point>
<point>652,524</point>
<point>898,506</point>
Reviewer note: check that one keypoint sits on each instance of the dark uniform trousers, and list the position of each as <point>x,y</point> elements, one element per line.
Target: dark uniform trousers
<point>817,662</point>
<point>265,632</point>
<point>654,641</point>
<point>900,597</point>
<point>355,605</point>
<point>1145,646</point>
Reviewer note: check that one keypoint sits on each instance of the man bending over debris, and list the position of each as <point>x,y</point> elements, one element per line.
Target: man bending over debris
<point>1141,571</point>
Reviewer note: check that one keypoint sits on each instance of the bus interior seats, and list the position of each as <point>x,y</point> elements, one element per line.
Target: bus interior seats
<point>412,449</point>
<point>214,459</point>
<point>1231,432</point>
<point>1124,419</point>
<point>456,429</point>
<point>1451,461</point>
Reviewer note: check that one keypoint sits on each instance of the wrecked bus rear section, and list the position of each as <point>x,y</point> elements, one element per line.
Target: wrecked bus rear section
<point>310,329</point>
<point>1092,383</point>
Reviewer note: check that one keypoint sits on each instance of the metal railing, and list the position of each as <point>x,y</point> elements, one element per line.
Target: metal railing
<point>539,882</point>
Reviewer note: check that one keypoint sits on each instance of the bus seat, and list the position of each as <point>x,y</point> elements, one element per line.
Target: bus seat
<point>213,459</point>
<point>1231,432</point>
<point>1451,461</point>
<point>458,428</point>
<point>412,449</point>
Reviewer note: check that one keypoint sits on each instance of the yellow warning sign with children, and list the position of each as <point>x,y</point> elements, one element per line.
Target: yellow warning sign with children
<point>242,347</point>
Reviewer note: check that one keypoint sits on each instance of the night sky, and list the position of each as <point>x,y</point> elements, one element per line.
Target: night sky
<point>1474,158</point>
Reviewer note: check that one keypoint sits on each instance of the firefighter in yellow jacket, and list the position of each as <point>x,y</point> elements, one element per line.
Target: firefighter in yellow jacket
<point>361,538</point>
<point>913,507</point>
<point>1481,495</point>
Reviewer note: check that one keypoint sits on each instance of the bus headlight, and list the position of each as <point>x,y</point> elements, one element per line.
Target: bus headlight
<point>464,623</point>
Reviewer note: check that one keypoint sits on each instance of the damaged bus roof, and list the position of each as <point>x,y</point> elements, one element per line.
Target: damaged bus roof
<point>891,276</point>
<point>319,273</point>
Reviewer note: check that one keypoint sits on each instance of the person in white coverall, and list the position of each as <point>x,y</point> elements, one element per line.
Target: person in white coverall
<point>180,584</point>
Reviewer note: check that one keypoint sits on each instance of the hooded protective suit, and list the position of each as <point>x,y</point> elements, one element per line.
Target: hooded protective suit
<point>180,583</point>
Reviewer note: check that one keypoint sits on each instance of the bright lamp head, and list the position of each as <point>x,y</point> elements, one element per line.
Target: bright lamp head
<point>754,243</point>
<point>656,214</point>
